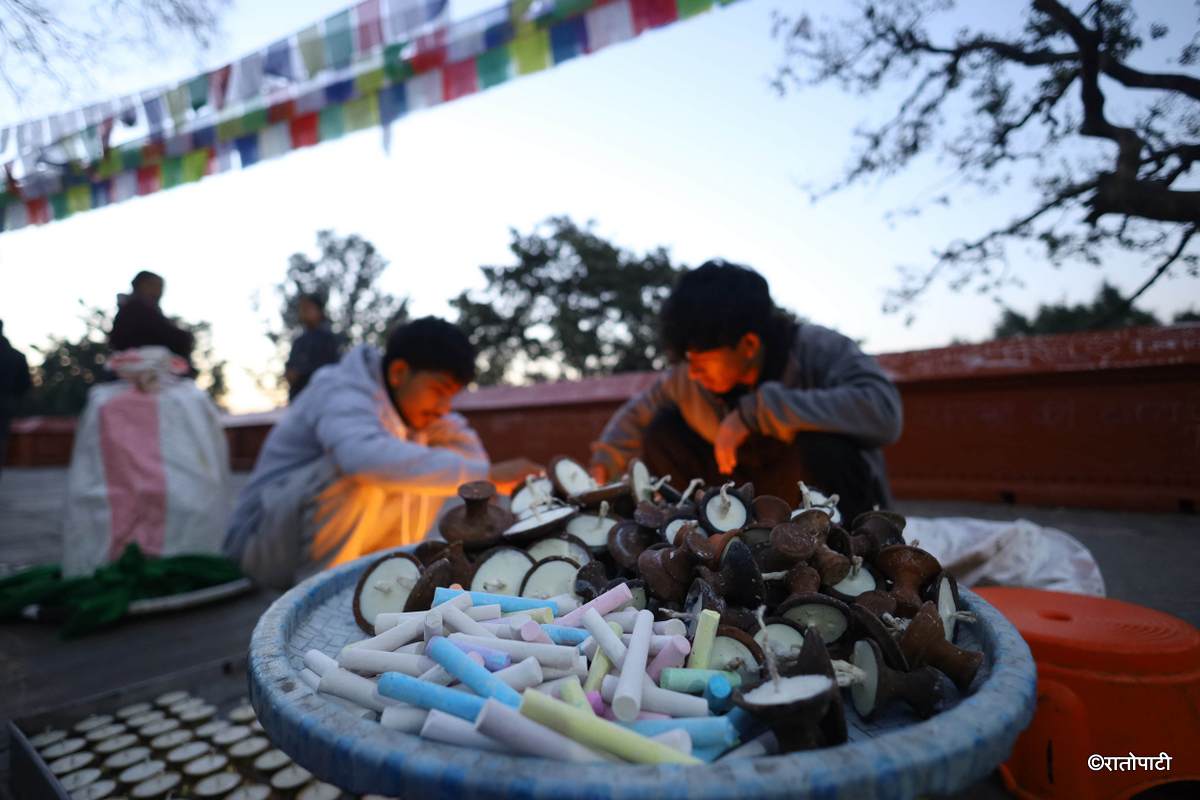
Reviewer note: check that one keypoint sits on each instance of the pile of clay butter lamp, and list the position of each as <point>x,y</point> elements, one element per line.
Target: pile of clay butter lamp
<point>636,622</point>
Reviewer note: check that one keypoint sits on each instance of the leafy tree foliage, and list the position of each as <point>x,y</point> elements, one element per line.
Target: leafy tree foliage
<point>573,305</point>
<point>1108,311</point>
<point>1004,105</point>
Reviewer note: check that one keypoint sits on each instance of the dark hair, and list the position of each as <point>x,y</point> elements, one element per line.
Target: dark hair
<point>433,345</point>
<point>314,298</point>
<point>144,276</point>
<point>713,306</point>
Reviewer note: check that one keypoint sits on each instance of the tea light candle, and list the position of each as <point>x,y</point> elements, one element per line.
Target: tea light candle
<point>290,778</point>
<point>93,722</point>
<point>195,715</point>
<point>407,719</point>
<point>671,656</point>
<point>414,692</point>
<point>271,761</point>
<point>170,740</point>
<point>548,655</point>
<point>376,662</point>
<point>126,758</point>
<point>160,786</point>
<point>47,738</point>
<point>170,698</point>
<point>627,698</point>
<point>187,752</point>
<point>64,748</point>
<point>251,791</point>
<point>139,772</point>
<point>442,727</point>
<point>158,728</point>
<point>218,785</point>
<point>507,603</point>
<point>70,763</point>
<point>133,710</point>
<point>100,790</point>
<point>603,603</point>
<point>243,714</point>
<point>79,779</point>
<point>520,733</point>
<point>482,682</point>
<point>702,642</point>
<point>184,705</point>
<point>105,732</point>
<point>248,749</point>
<point>205,765</point>
<point>208,729</point>
<point>319,791</point>
<point>592,731</point>
<point>115,743</point>
<point>141,720</point>
<point>234,733</point>
<point>702,731</point>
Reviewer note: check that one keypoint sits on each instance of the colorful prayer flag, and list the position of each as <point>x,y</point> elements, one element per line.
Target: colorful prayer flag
<point>305,131</point>
<point>332,124</point>
<point>339,40</point>
<point>608,25</point>
<point>370,26</point>
<point>494,67</point>
<point>531,53</point>
<point>362,112</point>
<point>459,79</point>
<point>312,50</point>
<point>568,39</point>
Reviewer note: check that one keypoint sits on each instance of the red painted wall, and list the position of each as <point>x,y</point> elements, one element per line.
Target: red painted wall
<point>1104,420</point>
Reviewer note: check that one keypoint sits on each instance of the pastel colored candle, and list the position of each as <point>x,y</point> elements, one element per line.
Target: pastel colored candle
<point>318,662</point>
<point>437,674</point>
<point>548,655</point>
<point>674,704</point>
<point>507,603</point>
<point>702,642</point>
<point>602,604</point>
<point>442,727</point>
<point>703,731</point>
<point>668,627</point>
<point>765,744</point>
<point>523,735</point>
<point>567,636</point>
<point>673,655</point>
<point>594,732</point>
<point>494,660</point>
<point>542,616</point>
<point>393,638</point>
<point>580,668</point>
<point>676,739</point>
<point>415,692</point>
<point>657,643</point>
<point>627,699</point>
<point>718,693</point>
<point>476,676</point>
<point>390,619</point>
<point>311,679</point>
<point>693,681</point>
<point>531,632</point>
<point>455,620</point>
<point>502,628</point>
<point>566,603</point>
<point>379,661</point>
<point>433,626</point>
<point>604,637</point>
<point>570,691</point>
<point>355,688</point>
<point>600,665</point>
<point>597,702</point>
<point>407,719</point>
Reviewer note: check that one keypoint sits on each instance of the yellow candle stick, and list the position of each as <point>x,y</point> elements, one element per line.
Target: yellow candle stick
<point>572,692</point>
<point>601,666</point>
<point>702,643</point>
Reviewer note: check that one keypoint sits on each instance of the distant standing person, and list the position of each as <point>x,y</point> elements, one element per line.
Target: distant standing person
<point>14,382</point>
<point>140,322</point>
<point>314,348</point>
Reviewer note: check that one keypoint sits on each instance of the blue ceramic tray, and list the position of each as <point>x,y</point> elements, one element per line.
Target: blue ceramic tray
<point>895,756</point>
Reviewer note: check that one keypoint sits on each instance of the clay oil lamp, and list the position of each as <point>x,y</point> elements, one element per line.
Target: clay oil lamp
<point>814,659</point>
<point>872,531</point>
<point>429,550</point>
<point>781,636</point>
<point>861,578</point>
<point>591,580</point>
<point>878,602</point>
<point>534,491</point>
<point>608,493</point>
<point>794,705</point>
<point>439,573</point>
<point>652,515</point>
<point>641,482</point>
<point>741,618</point>
<point>812,525</point>
<point>722,510</point>
<point>829,616</point>
<point>678,521</point>
<point>564,544</point>
<point>756,535</point>
<point>769,510</point>
<point>549,577</point>
<point>384,587</point>
<point>909,568</point>
<point>667,572</point>
<point>943,591</point>
<point>501,570</point>
<point>627,540</point>
<point>593,528</point>
<point>868,625</point>
<point>700,597</point>
<point>708,550</point>
<point>924,642</point>
<point>464,568</point>
<point>541,521</point>
<point>878,685</point>
<point>813,499</point>
<point>477,523</point>
<point>739,579</point>
<point>734,650</point>
<point>569,477</point>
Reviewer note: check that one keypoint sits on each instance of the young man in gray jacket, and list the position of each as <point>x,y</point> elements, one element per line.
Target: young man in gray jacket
<point>364,458</point>
<point>757,396</point>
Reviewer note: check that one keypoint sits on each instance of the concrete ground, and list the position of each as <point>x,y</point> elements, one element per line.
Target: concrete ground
<point>1150,559</point>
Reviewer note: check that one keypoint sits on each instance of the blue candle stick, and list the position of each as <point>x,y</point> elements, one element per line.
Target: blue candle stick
<point>704,731</point>
<point>560,634</point>
<point>506,602</point>
<point>719,693</point>
<point>424,694</point>
<point>475,676</point>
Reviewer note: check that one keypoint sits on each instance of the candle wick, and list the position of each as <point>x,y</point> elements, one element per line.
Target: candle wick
<point>603,511</point>
<point>855,565</point>
<point>774,576</point>
<point>382,586</point>
<point>691,487</point>
<point>964,616</point>
<point>658,484</point>
<point>725,502</point>
<point>847,674</point>
<point>805,496</point>
<point>768,650</point>
<point>494,586</point>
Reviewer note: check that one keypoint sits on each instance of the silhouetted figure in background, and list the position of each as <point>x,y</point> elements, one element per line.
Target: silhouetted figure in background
<point>14,382</point>
<point>314,348</point>
<point>140,322</point>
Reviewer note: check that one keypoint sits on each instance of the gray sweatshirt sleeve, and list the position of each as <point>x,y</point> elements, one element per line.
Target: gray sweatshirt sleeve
<point>850,395</point>
<point>621,439</point>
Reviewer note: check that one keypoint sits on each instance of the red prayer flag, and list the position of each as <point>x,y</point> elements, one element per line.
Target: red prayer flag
<point>306,130</point>
<point>281,111</point>
<point>149,179</point>
<point>460,79</point>
<point>218,82</point>
<point>652,13</point>
<point>37,211</point>
<point>431,52</point>
<point>153,152</point>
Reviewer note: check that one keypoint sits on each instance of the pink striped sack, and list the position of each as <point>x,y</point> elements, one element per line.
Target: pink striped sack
<point>150,465</point>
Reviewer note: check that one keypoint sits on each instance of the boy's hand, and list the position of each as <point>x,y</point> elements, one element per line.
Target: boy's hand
<point>599,473</point>
<point>507,475</point>
<point>730,435</point>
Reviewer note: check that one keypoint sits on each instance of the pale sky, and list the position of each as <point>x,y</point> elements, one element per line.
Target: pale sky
<point>674,138</point>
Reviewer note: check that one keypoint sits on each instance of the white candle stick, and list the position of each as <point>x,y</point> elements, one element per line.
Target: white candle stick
<point>602,637</point>
<point>355,688</point>
<point>442,727</point>
<point>627,699</point>
<point>318,662</point>
<point>660,701</point>
<point>523,735</point>
<point>407,719</point>
<point>392,638</point>
<point>456,620</point>
<point>548,655</point>
<point>377,662</point>
<point>433,626</point>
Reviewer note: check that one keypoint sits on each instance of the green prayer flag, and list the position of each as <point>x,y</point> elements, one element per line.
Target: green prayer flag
<point>394,65</point>
<point>253,121</point>
<point>59,203</point>
<point>198,91</point>
<point>172,172</point>
<point>362,112</point>
<point>131,157</point>
<point>332,124</point>
<point>568,8</point>
<point>111,164</point>
<point>79,198</point>
<point>312,50</point>
<point>229,129</point>
<point>531,52</point>
<point>494,66</point>
<point>339,40</point>
<point>194,164</point>
<point>690,8</point>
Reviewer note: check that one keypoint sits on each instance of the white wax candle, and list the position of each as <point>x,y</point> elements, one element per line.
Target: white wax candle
<point>676,739</point>
<point>548,655</point>
<point>522,675</point>
<point>376,662</point>
<point>523,735</point>
<point>660,701</point>
<point>566,603</point>
<point>456,620</point>
<point>657,643</point>
<point>503,627</point>
<point>626,617</point>
<point>627,699</point>
<point>580,669</point>
<point>417,648</point>
<point>432,626</point>
<point>392,638</point>
<point>442,727</point>
<point>602,636</point>
<point>611,600</point>
<point>355,688</point>
<point>531,632</point>
<point>437,674</point>
<point>673,655</point>
<point>390,619</point>
<point>318,662</point>
<point>407,719</point>
<point>763,745</point>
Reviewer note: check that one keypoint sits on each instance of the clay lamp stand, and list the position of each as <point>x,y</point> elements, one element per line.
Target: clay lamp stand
<point>700,597</point>
<point>478,523</point>
<point>708,550</point>
<point>878,602</point>
<point>739,579</point>
<point>678,521</point>
<point>723,510</point>
<point>464,568</point>
<point>652,515</point>
<point>829,616</point>
<point>791,707</point>
<point>909,568</point>
<point>783,585</point>
<point>637,588</point>
<point>430,550</point>
<point>500,570</point>
<point>868,625</point>
<point>593,527</point>
<point>943,592</point>
<point>878,685</point>
<point>874,530</point>
<point>439,573</point>
<point>812,524</point>
<point>590,580</point>
<point>627,540</point>
<point>812,499</point>
<point>769,510</point>
<point>861,577</point>
<point>667,572</point>
<point>385,586</point>
<point>924,642</point>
